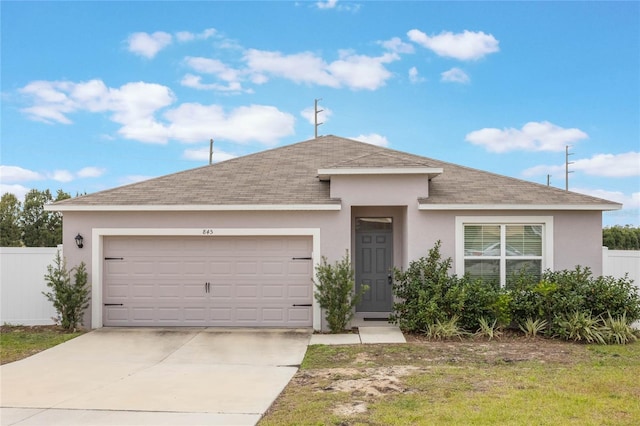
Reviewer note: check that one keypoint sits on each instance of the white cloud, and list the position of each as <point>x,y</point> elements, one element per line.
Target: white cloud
<point>373,139</point>
<point>90,172</point>
<point>202,154</point>
<point>357,72</point>
<point>610,165</point>
<point>62,176</point>
<point>455,75</point>
<point>464,46</point>
<point>534,136</point>
<point>134,107</point>
<point>323,116</point>
<point>212,66</point>
<point>18,190</point>
<point>300,67</point>
<point>148,45</point>
<point>185,36</point>
<point>397,45</point>
<point>605,165</point>
<point>194,122</point>
<point>11,174</point>
<point>195,82</point>
<point>327,4</point>
<point>360,71</point>
<point>629,201</point>
<point>414,75</point>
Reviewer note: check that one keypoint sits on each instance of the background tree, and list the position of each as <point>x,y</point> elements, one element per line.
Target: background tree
<point>621,237</point>
<point>10,229</point>
<point>55,220</point>
<point>41,228</point>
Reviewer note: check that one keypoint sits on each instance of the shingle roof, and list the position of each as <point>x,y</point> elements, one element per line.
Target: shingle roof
<point>288,176</point>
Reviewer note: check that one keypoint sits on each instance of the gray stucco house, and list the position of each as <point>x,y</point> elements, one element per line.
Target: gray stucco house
<point>235,243</point>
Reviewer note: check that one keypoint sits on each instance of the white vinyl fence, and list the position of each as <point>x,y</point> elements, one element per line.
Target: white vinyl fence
<point>22,271</point>
<point>617,263</point>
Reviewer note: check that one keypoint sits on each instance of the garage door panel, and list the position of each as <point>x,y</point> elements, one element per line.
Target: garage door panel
<point>273,268</point>
<point>246,268</point>
<point>143,292</point>
<point>221,268</point>
<point>246,291</point>
<point>253,281</point>
<point>272,291</point>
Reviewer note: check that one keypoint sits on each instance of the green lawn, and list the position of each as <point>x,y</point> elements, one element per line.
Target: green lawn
<point>515,382</point>
<point>17,342</point>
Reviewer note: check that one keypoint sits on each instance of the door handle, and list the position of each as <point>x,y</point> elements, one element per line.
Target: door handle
<point>207,287</point>
<point>389,279</point>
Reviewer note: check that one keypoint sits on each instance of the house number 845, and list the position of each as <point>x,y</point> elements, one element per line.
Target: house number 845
<point>207,231</point>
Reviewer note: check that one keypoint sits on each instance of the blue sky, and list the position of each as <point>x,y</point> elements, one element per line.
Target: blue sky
<point>100,94</point>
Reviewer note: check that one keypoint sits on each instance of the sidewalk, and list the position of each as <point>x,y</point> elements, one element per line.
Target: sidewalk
<point>366,335</point>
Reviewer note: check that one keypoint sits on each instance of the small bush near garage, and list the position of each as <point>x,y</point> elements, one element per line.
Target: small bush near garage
<point>336,292</point>
<point>570,304</point>
<point>70,299</point>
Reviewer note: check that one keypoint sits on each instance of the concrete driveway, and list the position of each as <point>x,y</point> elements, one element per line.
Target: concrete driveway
<point>153,377</point>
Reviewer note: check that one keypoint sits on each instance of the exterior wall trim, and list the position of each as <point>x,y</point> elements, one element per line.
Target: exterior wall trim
<point>600,207</point>
<point>97,255</point>
<point>324,174</point>
<point>196,207</point>
<point>547,221</point>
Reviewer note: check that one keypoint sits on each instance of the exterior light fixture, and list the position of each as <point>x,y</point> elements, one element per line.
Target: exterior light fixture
<point>79,241</point>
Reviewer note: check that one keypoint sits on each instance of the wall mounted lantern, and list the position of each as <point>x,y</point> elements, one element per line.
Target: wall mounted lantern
<point>79,241</point>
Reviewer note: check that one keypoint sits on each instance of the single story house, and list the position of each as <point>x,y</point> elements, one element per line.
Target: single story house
<point>236,243</point>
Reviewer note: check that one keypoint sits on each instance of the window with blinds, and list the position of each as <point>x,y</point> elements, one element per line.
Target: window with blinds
<point>495,252</point>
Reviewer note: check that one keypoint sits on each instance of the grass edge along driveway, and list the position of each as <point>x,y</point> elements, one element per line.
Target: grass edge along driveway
<point>514,382</point>
<point>18,342</point>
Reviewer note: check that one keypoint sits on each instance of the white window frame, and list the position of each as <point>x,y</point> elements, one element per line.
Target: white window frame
<point>547,238</point>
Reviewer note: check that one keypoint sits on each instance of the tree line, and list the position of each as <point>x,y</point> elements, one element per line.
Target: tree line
<point>621,237</point>
<point>28,224</point>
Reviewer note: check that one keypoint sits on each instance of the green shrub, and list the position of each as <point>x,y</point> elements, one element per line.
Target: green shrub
<point>532,327</point>
<point>426,293</point>
<point>612,296</point>
<point>69,299</point>
<point>480,300</point>
<point>335,292</point>
<point>618,331</point>
<point>579,326</point>
<point>562,293</point>
<point>444,330</point>
<point>488,329</point>
<point>566,303</point>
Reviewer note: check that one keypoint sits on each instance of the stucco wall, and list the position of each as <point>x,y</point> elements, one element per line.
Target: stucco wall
<point>576,235</point>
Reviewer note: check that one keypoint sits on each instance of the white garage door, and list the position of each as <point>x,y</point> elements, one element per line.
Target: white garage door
<point>207,281</point>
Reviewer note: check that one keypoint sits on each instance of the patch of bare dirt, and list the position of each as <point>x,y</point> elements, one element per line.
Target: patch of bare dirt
<point>508,350</point>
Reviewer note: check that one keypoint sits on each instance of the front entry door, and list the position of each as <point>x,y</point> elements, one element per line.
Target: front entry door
<point>374,261</point>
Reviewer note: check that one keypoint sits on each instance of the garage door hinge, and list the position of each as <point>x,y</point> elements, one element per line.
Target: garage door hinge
<point>300,258</point>
<point>113,304</point>
<point>114,258</point>
<point>303,304</point>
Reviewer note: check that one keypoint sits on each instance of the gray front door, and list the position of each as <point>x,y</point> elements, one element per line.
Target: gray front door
<point>374,261</point>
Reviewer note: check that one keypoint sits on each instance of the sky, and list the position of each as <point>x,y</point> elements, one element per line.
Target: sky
<point>96,95</point>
